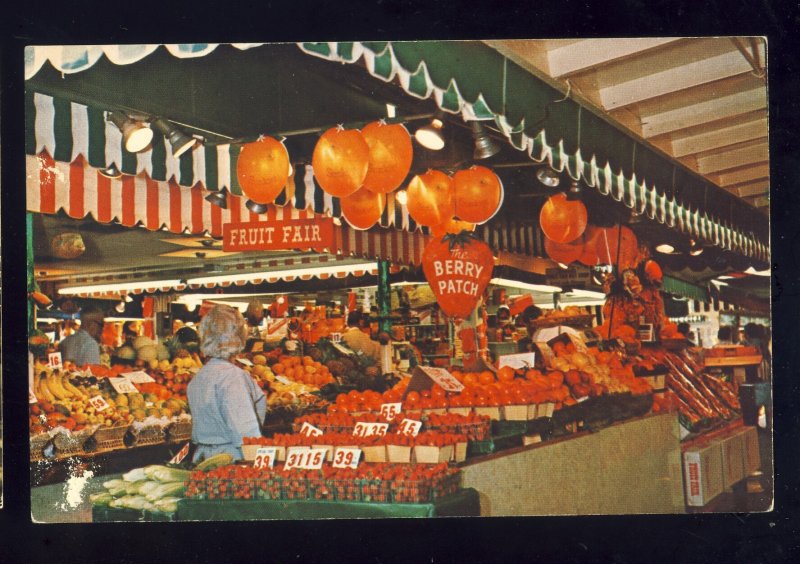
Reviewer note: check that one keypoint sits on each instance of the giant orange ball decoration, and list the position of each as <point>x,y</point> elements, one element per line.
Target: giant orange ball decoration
<point>340,161</point>
<point>564,252</point>
<point>363,208</point>
<point>390,155</point>
<point>589,254</point>
<point>452,225</point>
<point>262,169</point>
<point>562,220</point>
<point>430,198</point>
<point>617,242</point>
<point>477,194</point>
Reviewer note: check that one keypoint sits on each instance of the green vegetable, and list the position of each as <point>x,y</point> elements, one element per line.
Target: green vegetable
<point>170,489</point>
<point>119,491</point>
<point>102,498</point>
<point>165,474</point>
<point>135,475</point>
<point>214,462</point>
<point>148,487</point>
<point>134,502</point>
<point>112,484</point>
<point>132,488</point>
<point>168,504</point>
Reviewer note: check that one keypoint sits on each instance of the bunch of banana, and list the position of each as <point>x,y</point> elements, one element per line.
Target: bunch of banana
<point>53,386</point>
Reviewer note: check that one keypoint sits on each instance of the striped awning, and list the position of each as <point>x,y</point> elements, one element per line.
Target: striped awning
<point>523,238</point>
<point>82,191</point>
<point>72,132</point>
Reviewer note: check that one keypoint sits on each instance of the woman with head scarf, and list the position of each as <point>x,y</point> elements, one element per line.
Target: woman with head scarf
<point>225,402</point>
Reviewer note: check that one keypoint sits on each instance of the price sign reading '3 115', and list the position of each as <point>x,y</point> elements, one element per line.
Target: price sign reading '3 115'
<point>314,234</point>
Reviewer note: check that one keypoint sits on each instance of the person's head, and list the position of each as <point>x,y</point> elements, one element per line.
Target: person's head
<point>187,335</point>
<point>93,320</point>
<point>222,332</point>
<point>503,314</point>
<point>354,318</point>
<point>530,314</point>
<point>753,332</point>
<point>683,329</point>
<point>725,333</point>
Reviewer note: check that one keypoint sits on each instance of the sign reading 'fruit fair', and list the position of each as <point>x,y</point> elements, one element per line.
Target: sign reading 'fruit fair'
<point>315,234</point>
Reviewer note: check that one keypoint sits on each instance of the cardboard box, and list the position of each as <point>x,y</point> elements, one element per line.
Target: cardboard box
<point>515,412</point>
<point>460,410</point>
<point>752,454</point>
<point>702,474</point>
<point>460,452</point>
<point>545,409</point>
<point>732,460</point>
<point>399,454</point>
<point>492,411</point>
<point>374,453</point>
<point>531,439</point>
<point>432,454</point>
<point>249,452</point>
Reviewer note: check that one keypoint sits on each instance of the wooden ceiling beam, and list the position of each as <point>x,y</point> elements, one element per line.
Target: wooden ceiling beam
<point>675,79</point>
<point>750,188</point>
<point>754,172</point>
<point>758,202</point>
<point>589,53</point>
<point>717,138</point>
<point>704,112</point>
<point>733,159</point>
<point>531,51</point>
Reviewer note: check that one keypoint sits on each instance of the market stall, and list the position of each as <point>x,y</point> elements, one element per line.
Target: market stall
<point>511,327</point>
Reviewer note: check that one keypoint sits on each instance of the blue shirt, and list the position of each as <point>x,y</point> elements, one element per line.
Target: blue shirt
<point>80,348</point>
<point>226,406</point>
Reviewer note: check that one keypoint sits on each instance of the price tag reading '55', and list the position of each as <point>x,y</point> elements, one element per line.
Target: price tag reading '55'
<point>368,429</point>
<point>390,410</point>
<point>346,457</point>
<point>307,458</point>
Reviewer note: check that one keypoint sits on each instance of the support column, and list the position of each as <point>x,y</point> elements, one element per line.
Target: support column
<point>30,272</point>
<point>384,314</point>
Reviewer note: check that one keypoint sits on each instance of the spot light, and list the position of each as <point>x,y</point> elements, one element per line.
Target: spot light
<point>430,136</point>
<point>178,140</point>
<point>136,135</point>
<point>485,146</point>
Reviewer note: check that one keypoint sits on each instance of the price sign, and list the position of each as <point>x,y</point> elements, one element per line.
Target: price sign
<point>410,427</point>
<point>391,410</point>
<point>265,457</point>
<point>244,361</point>
<point>346,457</point>
<point>336,337</point>
<point>258,346</point>
<point>54,361</point>
<point>517,361</point>
<point>368,429</point>
<point>283,379</point>
<point>32,396</point>
<point>309,430</point>
<point>123,386</point>
<point>442,377</point>
<point>98,403</point>
<point>307,458</point>
<point>139,377</point>
<point>180,455</point>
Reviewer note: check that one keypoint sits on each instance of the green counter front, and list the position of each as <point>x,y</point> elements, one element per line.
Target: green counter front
<point>465,503</point>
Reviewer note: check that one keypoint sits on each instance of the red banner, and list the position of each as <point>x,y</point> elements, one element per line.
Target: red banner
<point>314,234</point>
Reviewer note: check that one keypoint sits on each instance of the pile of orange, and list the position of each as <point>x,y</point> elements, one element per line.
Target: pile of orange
<point>303,369</point>
<point>355,401</point>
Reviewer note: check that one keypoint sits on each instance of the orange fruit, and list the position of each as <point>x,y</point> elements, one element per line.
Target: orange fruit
<point>505,374</point>
<point>486,377</point>
<point>470,379</point>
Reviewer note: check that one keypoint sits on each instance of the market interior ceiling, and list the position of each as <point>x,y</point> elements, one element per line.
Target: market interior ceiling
<point>289,92</point>
<point>701,100</point>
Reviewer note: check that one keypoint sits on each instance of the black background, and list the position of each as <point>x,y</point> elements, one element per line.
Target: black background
<point>769,537</point>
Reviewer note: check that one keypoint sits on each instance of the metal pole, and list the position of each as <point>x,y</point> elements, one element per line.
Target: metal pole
<point>30,272</point>
<point>384,313</point>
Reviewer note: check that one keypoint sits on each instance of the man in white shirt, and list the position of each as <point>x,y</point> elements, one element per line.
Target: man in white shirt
<point>83,346</point>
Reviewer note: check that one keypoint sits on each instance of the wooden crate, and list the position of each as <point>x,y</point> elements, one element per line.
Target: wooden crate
<point>702,472</point>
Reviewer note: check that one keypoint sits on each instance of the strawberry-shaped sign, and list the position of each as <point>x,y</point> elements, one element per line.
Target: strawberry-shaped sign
<point>458,268</point>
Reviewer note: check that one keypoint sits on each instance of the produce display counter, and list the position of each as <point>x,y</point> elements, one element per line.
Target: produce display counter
<point>628,467</point>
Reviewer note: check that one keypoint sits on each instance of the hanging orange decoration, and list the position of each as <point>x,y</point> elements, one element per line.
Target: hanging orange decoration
<point>477,194</point>
<point>430,198</point>
<point>263,169</point>
<point>562,220</point>
<point>617,242</point>
<point>589,254</point>
<point>390,155</point>
<point>564,252</point>
<point>363,208</point>
<point>340,161</point>
<point>452,226</point>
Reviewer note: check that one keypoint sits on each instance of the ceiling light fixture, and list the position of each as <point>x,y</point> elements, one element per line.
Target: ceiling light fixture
<point>430,136</point>
<point>178,140</point>
<point>119,287</point>
<point>313,271</point>
<point>255,207</point>
<point>218,198</point>
<point>485,146</point>
<point>136,135</point>
<point>548,177</point>
<point>562,265</point>
<point>525,285</point>
<point>695,248</point>
<point>574,192</point>
<point>665,248</point>
<point>120,307</point>
<point>111,171</point>
<point>128,298</point>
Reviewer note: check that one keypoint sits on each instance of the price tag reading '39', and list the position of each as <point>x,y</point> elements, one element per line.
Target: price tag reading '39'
<point>346,457</point>
<point>265,457</point>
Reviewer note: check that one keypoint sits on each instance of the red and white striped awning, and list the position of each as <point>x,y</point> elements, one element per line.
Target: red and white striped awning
<point>82,191</point>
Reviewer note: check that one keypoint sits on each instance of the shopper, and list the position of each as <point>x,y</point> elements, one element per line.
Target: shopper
<point>357,336</point>
<point>83,346</point>
<point>528,316</point>
<point>226,404</point>
<point>725,335</point>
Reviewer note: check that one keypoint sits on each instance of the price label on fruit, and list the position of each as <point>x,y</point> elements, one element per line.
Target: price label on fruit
<point>442,377</point>
<point>517,361</point>
<point>309,430</point>
<point>391,410</point>
<point>265,457</point>
<point>139,377</point>
<point>346,457</point>
<point>54,361</point>
<point>32,396</point>
<point>283,380</point>
<point>306,458</point>
<point>244,361</point>
<point>410,427</point>
<point>98,403</point>
<point>368,429</point>
<point>123,385</point>
<point>180,455</point>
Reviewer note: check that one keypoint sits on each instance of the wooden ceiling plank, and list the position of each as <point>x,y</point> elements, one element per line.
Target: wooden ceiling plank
<point>756,172</point>
<point>716,138</point>
<point>759,202</point>
<point>711,110</point>
<point>531,51</point>
<point>733,159</point>
<point>751,188</point>
<point>673,80</point>
<point>589,53</point>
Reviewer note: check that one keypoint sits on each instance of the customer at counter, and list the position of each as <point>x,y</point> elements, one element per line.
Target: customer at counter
<point>357,335</point>
<point>83,346</point>
<point>539,335</point>
<point>226,404</point>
